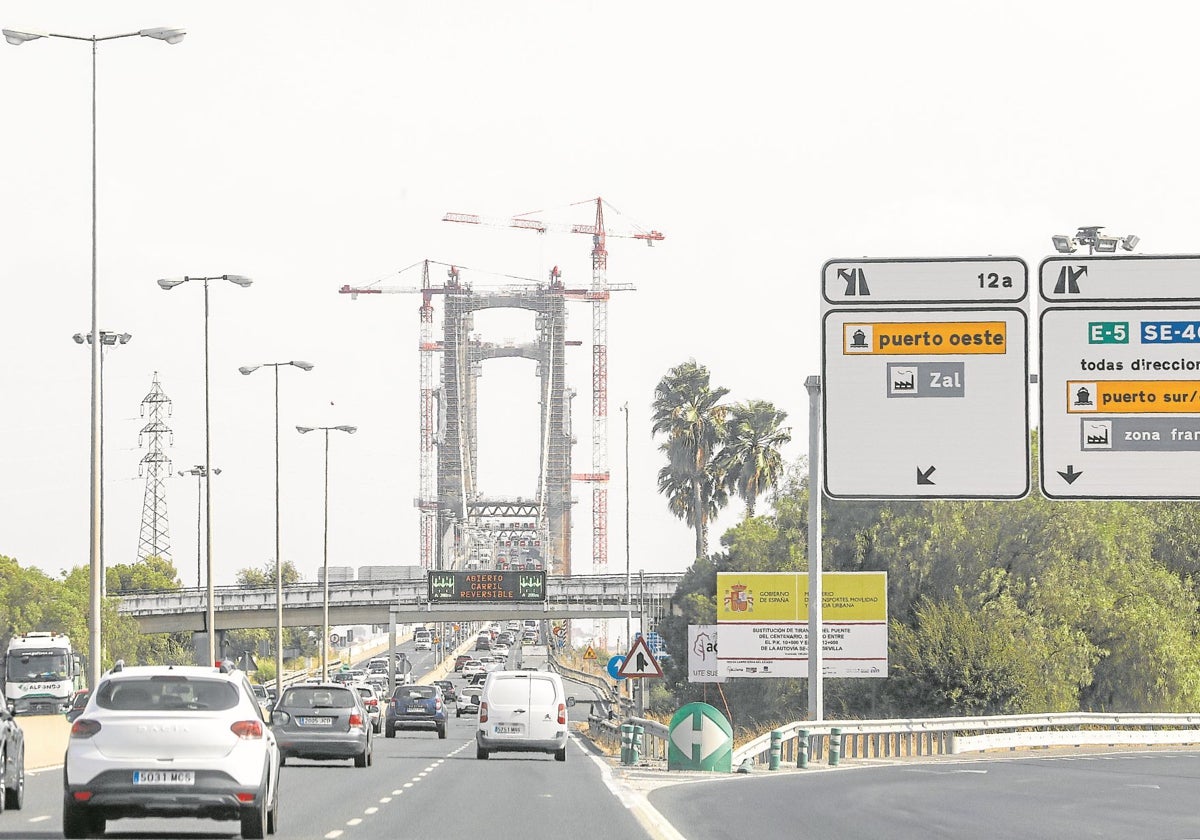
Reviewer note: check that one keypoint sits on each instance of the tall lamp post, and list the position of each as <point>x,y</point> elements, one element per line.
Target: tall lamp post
<point>246,371</point>
<point>628,578</point>
<point>107,339</point>
<point>210,617</point>
<point>201,472</point>
<point>325,563</point>
<point>95,650</point>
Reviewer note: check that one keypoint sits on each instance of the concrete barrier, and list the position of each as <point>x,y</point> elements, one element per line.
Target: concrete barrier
<point>45,739</point>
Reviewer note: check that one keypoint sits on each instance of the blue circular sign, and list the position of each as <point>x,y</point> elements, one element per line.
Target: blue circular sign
<point>614,665</point>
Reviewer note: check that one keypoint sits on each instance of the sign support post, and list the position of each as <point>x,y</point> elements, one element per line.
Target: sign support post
<point>816,685</point>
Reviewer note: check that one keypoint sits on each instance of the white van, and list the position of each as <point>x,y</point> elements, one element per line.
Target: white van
<point>423,640</point>
<point>522,711</point>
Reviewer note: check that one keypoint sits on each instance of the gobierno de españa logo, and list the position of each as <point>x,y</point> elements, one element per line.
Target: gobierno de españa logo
<point>739,598</point>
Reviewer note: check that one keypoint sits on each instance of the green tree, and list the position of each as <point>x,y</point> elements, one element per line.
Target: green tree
<point>151,573</point>
<point>689,412</point>
<point>751,459</point>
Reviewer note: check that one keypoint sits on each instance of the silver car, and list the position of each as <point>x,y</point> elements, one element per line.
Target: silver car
<point>326,721</point>
<point>370,699</point>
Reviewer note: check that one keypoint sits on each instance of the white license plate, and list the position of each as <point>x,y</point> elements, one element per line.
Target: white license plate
<point>416,709</point>
<point>316,721</point>
<point>164,777</point>
<point>509,729</point>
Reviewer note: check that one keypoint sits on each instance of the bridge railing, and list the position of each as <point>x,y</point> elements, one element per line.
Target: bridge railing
<point>954,736</point>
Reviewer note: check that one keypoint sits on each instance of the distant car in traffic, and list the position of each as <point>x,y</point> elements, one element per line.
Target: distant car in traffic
<point>370,700</point>
<point>468,701</point>
<point>460,660</point>
<point>416,707</point>
<point>473,667</point>
<point>326,722</point>
<point>448,692</point>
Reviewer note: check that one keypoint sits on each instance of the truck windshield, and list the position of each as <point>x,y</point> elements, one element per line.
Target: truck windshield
<point>30,666</point>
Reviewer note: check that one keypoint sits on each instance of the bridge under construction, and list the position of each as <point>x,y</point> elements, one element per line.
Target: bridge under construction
<point>461,525</point>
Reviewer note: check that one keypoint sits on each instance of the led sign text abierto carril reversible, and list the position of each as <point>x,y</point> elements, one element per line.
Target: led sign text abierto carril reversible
<point>496,586</point>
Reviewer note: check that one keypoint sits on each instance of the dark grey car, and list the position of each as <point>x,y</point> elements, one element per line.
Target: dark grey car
<point>324,721</point>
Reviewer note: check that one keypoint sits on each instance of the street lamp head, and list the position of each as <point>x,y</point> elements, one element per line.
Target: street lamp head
<point>303,365</point>
<point>1130,242</point>
<point>170,283</point>
<point>1063,244</point>
<point>123,338</point>
<point>347,429</point>
<point>246,370</point>
<point>79,338</point>
<point>304,429</point>
<point>216,470</point>
<point>164,33</point>
<point>17,38</point>
<point>238,280</point>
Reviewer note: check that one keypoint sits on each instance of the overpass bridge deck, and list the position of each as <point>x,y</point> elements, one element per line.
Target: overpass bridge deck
<point>375,602</point>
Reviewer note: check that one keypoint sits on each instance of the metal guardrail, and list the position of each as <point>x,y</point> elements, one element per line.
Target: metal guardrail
<point>954,736</point>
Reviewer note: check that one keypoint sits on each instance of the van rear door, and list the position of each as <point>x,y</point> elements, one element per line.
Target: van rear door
<point>544,702</point>
<point>508,709</point>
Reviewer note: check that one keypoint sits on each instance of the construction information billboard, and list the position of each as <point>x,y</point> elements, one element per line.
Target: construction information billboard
<point>463,587</point>
<point>763,623</point>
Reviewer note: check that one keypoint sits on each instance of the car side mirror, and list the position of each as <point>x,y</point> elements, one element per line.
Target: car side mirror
<point>279,717</point>
<point>570,702</point>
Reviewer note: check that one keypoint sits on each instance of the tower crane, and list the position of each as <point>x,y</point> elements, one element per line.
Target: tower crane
<point>598,294</point>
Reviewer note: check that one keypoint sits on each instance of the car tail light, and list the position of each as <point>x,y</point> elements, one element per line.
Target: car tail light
<point>245,797</point>
<point>247,730</point>
<point>483,712</point>
<point>84,728</point>
<point>373,703</point>
<point>356,719</point>
<point>82,795</point>
<point>437,704</point>
<point>562,713</point>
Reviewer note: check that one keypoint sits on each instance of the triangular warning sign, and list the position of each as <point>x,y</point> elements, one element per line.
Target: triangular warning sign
<point>590,653</point>
<point>640,662</point>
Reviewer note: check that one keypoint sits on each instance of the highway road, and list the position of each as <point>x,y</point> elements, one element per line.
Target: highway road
<point>1112,796</point>
<point>419,786</point>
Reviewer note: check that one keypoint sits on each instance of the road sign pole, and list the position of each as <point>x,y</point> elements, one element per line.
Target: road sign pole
<point>816,710</point>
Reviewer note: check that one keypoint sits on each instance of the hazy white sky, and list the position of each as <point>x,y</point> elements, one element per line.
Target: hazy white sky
<point>309,146</point>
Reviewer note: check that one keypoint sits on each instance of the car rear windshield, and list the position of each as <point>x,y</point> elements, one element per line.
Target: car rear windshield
<point>415,692</point>
<point>316,697</point>
<point>166,694</point>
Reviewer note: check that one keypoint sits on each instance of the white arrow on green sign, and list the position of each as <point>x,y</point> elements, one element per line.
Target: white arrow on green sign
<point>700,739</point>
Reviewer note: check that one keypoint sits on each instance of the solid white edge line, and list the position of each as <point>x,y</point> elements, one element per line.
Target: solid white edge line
<point>655,824</point>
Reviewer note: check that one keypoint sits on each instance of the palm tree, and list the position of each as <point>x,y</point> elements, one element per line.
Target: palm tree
<point>689,411</point>
<point>751,459</point>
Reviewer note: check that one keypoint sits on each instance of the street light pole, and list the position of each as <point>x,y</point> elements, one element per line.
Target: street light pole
<point>246,371</point>
<point>200,472</point>
<point>107,339</point>
<point>325,562</point>
<point>96,580</point>
<point>628,577</point>
<point>210,617</point>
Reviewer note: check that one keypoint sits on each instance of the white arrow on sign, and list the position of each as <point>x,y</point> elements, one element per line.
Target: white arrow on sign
<point>710,737</point>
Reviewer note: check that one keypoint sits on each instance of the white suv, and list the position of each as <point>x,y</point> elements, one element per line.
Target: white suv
<point>171,741</point>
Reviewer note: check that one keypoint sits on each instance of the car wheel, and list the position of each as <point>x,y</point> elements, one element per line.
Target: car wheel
<point>14,796</point>
<point>560,754</point>
<point>75,821</point>
<point>254,817</point>
<point>282,759</point>
<point>481,753</point>
<point>273,814</point>
<point>363,758</point>
<point>390,732</point>
<point>458,713</point>
<point>441,730</point>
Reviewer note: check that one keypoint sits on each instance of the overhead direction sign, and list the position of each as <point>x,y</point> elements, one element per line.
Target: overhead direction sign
<point>1119,376</point>
<point>925,378</point>
<point>640,662</point>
